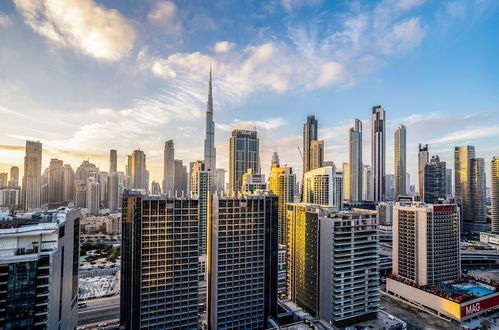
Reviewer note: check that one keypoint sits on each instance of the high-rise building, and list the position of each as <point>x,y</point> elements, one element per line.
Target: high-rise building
<point>378,124</point>
<point>113,191</point>
<point>180,178</point>
<point>316,154</point>
<point>32,180</point>
<point>448,182</point>
<point>244,154</point>
<point>337,287</point>
<point>346,181</point>
<point>275,161</point>
<point>128,167</point>
<point>390,187</point>
<point>253,182</point>
<point>160,262</point>
<point>9,196</point>
<point>242,261</point>
<point>469,185</point>
<point>4,179</point>
<point>355,161</point>
<point>113,161</point>
<point>155,188</point>
<point>282,182</point>
<point>309,134</point>
<point>494,178</point>
<point>169,167</point>
<point>367,187</point>
<point>434,180</point>
<point>219,178</point>
<point>139,170</point>
<point>56,181</point>
<point>423,158</point>
<point>68,186</point>
<point>93,196</point>
<point>426,242</point>
<point>400,161</point>
<point>103,178</point>
<point>210,152</point>
<point>14,176</point>
<point>201,186</point>
<point>80,199</point>
<point>320,187</point>
<point>384,212</point>
<point>39,266</point>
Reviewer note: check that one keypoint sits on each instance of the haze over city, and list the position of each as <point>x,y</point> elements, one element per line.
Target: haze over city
<point>83,77</point>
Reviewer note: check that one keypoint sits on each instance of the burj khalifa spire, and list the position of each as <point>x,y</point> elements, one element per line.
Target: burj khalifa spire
<point>210,153</point>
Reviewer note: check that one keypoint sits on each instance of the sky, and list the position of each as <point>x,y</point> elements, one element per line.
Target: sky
<point>86,76</point>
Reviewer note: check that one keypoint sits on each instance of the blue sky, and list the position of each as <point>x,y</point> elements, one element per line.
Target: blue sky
<point>85,76</point>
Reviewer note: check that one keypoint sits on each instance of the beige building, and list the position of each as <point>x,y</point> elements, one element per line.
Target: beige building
<point>426,242</point>
<point>282,183</point>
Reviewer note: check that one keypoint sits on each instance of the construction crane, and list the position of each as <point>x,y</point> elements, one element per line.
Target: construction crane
<point>300,153</point>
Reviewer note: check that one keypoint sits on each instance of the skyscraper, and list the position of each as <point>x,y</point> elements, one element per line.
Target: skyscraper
<point>4,179</point>
<point>168,167</point>
<point>282,182</point>
<point>423,158</point>
<point>14,176</point>
<point>242,272</point>
<point>56,181</point>
<point>275,161</point>
<point>113,161</point>
<point>244,154</point>
<point>113,191</point>
<point>180,178</point>
<point>93,196</point>
<point>494,172</point>
<point>469,185</point>
<point>400,161</point>
<point>332,284</point>
<point>378,151</point>
<point>316,154</point>
<point>201,186</point>
<point>139,170</point>
<point>355,161</point>
<point>426,242</point>
<point>367,188</point>
<point>448,182</point>
<point>321,187</point>
<point>434,180</point>
<point>210,152</point>
<point>160,262</point>
<point>32,179</point>
<point>309,135</point>
<point>68,187</point>
<point>39,266</point>
<point>346,181</point>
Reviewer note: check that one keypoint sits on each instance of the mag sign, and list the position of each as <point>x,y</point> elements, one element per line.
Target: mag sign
<point>478,306</point>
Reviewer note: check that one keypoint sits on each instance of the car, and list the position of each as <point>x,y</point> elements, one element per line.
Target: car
<point>103,324</point>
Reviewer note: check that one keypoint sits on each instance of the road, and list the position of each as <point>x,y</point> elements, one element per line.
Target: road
<point>99,310</point>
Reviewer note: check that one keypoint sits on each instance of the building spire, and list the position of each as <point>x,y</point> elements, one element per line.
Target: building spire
<point>209,86</point>
<point>209,141</point>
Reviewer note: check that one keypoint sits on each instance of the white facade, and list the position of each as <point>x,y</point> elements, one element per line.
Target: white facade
<point>320,187</point>
<point>46,252</point>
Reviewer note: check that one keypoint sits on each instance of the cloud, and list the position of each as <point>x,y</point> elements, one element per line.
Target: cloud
<point>291,5</point>
<point>330,73</point>
<point>223,46</point>
<point>163,11</point>
<point>82,25</point>
<point>10,147</point>
<point>467,134</point>
<point>402,37</point>
<point>268,124</point>
<point>4,20</point>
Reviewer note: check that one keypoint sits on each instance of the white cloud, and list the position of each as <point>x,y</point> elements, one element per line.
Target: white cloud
<point>223,46</point>
<point>4,20</point>
<point>467,134</point>
<point>82,25</point>
<point>330,73</point>
<point>268,124</point>
<point>163,11</point>
<point>402,37</point>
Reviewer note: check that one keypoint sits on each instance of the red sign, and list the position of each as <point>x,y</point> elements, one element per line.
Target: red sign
<point>442,208</point>
<point>478,306</point>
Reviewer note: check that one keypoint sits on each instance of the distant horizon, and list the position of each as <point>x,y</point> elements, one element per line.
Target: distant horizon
<point>135,75</point>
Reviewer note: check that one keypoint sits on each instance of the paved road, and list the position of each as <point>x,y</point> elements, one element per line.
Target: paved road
<point>99,310</point>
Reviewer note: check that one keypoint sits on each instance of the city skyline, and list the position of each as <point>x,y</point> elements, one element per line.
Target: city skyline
<point>166,82</point>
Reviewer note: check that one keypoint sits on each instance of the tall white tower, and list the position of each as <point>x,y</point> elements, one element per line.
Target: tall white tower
<point>210,153</point>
